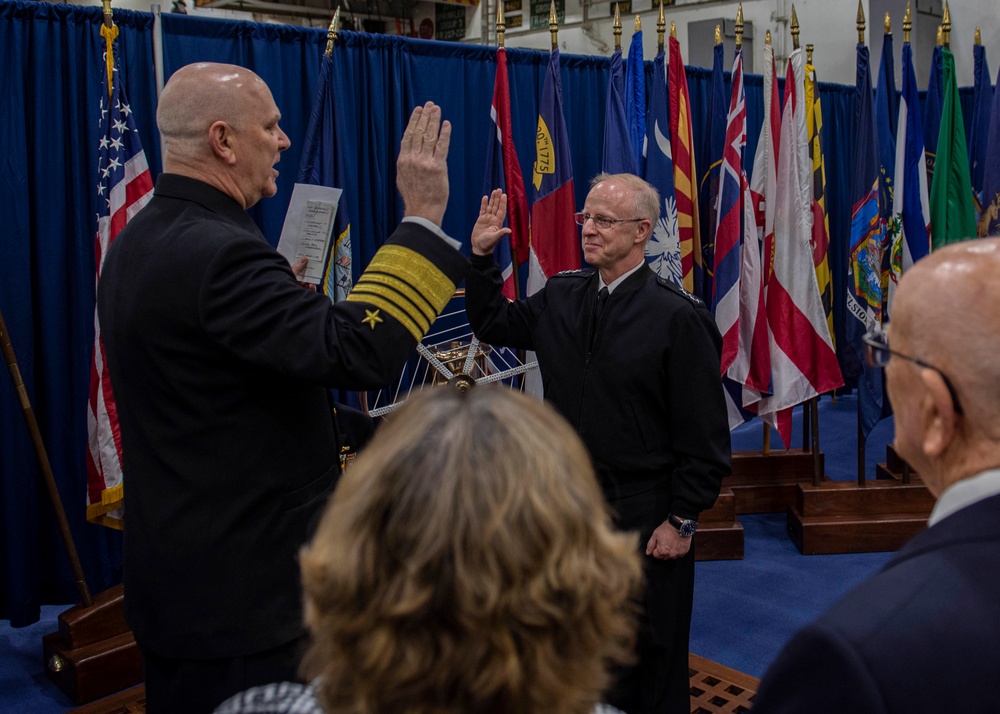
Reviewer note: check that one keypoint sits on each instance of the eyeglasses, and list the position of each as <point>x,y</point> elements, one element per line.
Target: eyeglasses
<point>602,222</point>
<point>877,354</point>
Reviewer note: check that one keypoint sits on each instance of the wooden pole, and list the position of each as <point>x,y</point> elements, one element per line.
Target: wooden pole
<point>43,460</point>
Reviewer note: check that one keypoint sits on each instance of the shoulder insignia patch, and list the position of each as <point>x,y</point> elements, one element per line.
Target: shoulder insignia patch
<point>680,291</point>
<point>581,273</point>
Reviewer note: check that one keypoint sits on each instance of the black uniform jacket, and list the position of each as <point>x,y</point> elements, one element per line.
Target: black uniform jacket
<point>220,364</point>
<point>646,397</point>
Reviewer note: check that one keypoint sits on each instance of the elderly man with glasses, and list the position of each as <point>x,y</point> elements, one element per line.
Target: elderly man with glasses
<point>632,362</point>
<point>923,635</point>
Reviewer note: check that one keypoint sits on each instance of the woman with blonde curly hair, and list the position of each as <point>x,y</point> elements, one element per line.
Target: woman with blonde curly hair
<point>466,563</point>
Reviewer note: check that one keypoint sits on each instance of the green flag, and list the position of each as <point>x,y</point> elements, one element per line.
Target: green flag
<point>953,215</point>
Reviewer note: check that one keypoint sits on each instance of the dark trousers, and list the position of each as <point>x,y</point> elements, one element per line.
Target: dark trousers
<point>197,686</point>
<point>659,681</point>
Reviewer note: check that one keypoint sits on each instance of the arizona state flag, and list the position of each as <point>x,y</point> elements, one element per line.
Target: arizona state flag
<point>685,173</point>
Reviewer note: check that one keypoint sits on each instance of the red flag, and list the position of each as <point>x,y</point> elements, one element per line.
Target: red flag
<point>685,174</point>
<point>517,198</point>
<point>804,364</point>
<point>123,187</point>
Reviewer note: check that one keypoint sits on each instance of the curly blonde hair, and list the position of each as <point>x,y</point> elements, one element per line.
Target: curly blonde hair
<point>467,563</point>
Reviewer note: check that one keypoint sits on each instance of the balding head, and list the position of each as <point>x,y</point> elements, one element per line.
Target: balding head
<point>219,124</point>
<point>945,313</point>
<point>200,94</point>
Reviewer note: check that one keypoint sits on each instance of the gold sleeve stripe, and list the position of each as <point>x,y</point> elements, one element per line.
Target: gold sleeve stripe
<point>403,283</point>
<point>417,330</point>
<point>405,292</point>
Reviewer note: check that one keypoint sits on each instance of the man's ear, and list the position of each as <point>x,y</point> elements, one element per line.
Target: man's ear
<point>645,231</point>
<point>222,141</point>
<point>938,414</point>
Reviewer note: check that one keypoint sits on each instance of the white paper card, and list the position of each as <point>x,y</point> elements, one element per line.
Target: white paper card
<point>308,227</point>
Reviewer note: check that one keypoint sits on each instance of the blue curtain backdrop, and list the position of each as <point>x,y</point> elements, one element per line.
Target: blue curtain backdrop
<point>51,59</point>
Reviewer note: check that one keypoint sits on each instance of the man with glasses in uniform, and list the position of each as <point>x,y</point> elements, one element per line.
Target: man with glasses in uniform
<point>632,361</point>
<point>923,635</point>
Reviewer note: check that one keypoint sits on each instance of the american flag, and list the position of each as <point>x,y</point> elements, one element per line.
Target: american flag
<point>124,186</point>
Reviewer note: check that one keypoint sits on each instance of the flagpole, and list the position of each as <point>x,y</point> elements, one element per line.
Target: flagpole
<point>860,24</point>
<point>514,260</point>
<point>766,446</point>
<point>43,459</point>
<point>661,29</point>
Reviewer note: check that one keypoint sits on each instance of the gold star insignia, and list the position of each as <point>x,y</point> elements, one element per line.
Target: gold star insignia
<point>372,317</point>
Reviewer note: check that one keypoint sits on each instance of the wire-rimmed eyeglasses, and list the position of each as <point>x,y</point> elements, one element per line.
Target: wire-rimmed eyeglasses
<point>878,352</point>
<point>602,222</point>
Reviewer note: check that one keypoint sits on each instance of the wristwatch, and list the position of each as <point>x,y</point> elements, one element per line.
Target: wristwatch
<point>685,526</point>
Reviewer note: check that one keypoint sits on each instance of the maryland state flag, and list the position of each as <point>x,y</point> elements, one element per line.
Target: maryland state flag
<point>953,213</point>
<point>323,165</point>
<point>685,173</point>
<point>555,244</point>
<point>821,221</point>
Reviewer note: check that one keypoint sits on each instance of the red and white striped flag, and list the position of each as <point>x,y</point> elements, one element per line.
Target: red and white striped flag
<point>804,363</point>
<point>763,191</point>
<point>124,186</point>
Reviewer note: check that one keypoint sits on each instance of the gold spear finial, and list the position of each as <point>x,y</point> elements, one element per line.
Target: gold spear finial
<point>718,35</point>
<point>809,54</point>
<point>553,24</point>
<point>767,37</point>
<point>739,27</point>
<point>946,25</point>
<point>616,28</point>
<point>661,29</point>
<point>861,24</point>
<point>795,29</point>
<point>673,29</point>
<point>331,33</point>
<point>907,22</point>
<point>940,36</point>
<point>888,25</point>
<point>978,39</point>
<point>501,24</point>
<point>109,32</point>
<point>638,24</point>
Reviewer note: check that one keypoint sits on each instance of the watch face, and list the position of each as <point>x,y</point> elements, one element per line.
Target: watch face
<point>688,528</point>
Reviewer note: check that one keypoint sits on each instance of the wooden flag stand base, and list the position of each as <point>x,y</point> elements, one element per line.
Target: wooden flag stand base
<point>768,483</point>
<point>720,535</point>
<point>94,653</point>
<point>873,516</point>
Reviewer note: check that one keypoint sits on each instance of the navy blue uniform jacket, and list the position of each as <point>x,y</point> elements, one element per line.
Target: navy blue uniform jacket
<point>923,635</point>
<point>220,364</point>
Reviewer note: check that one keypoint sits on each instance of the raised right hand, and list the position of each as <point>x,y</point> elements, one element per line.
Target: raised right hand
<point>488,228</point>
<point>422,166</point>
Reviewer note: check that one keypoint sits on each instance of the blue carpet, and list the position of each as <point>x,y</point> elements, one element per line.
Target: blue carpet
<point>744,610</point>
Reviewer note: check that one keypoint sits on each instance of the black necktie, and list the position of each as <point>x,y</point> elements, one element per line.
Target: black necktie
<point>602,300</point>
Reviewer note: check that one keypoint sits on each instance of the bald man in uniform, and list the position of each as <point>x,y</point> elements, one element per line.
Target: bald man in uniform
<point>923,635</point>
<point>221,363</point>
